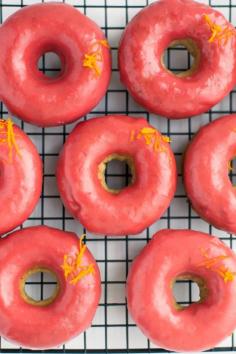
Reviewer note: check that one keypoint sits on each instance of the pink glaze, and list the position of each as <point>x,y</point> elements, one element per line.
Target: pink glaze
<point>20,180</point>
<point>206,169</point>
<point>172,253</point>
<point>143,43</point>
<point>42,327</point>
<point>30,95</point>
<point>134,207</point>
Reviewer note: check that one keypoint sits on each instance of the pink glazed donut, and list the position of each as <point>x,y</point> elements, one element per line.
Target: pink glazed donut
<point>48,323</point>
<point>183,255</point>
<point>207,36</point>
<point>81,174</point>
<point>20,176</point>
<point>84,53</point>
<point>206,173</point>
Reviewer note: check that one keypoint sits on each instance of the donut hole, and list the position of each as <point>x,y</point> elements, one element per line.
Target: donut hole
<point>181,57</point>
<point>188,289</point>
<point>232,171</point>
<point>39,286</point>
<point>50,65</point>
<point>116,172</point>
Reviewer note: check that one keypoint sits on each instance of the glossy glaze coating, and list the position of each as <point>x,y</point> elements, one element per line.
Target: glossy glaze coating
<point>142,46</point>
<point>170,254</point>
<point>40,327</point>
<point>134,207</point>
<point>206,169</point>
<point>59,28</point>
<point>20,180</point>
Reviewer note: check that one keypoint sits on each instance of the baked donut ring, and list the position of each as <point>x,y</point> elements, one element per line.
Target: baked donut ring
<point>183,254</point>
<point>207,35</point>
<point>206,168</point>
<point>69,311</point>
<point>20,176</point>
<point>85,59</point>
<point>82,163</point>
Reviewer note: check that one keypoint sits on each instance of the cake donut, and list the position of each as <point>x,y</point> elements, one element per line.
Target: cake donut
<point>85,59</point>
<point>20,176</point>
<point>208,37</point>
<point>69,311</point>
<point>207,164</point>
<point>81,169</point>
<point>183,255</point>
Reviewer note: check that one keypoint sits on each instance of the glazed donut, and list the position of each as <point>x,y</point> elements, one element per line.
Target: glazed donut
<point>82,164</point>
<point>206,169</point>
<point>169,23</point>
<point>84,53</point>
<point>183,255</point>
<point>20,176</point>
<point>69,311</point>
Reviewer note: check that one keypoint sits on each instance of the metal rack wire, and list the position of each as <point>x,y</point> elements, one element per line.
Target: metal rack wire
<point>113,331</point>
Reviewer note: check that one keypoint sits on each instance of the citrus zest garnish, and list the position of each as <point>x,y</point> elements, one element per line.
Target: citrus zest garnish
<point>151,137</point>
<point>166,138</point>
<point>91,62</point>
<point>132,135</point>
<point>104,43</point>
<point>209,262</point>
<point>94,56</point>
<point>214,265</point>
<point>72,265</point>
<point>226,274</point>
<point>7,136</point>
<point>218,33</point>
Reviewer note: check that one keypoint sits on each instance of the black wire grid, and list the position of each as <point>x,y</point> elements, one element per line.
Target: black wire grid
<point>113,331</point>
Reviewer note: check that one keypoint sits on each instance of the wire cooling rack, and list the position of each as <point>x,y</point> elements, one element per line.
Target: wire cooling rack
<point>113,331</point>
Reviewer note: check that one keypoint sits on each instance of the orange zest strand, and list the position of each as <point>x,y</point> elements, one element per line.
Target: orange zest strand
<point>215,265</point>
<point>104,43</point>
<point>7,136</point>
<point>94,56</point>
<point>91,61</point>
<point>218,33</point>
<point>132,135</point>
<point>72,266</point>
<point>151,137</point>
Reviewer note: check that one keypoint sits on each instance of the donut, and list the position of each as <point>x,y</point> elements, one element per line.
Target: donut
<point>207,164</point>
<point>20,176</point>
<point>69,311</point>
<point>174,255</point>
<point>208,37</point>
<point>81,169</point>
<point>85,59</point>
